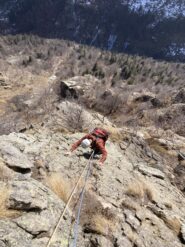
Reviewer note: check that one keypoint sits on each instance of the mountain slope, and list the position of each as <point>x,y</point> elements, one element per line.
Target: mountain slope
<point>52,92</point>
<point>164,8</point>
<point>131,89</point>
<point>150,28</point>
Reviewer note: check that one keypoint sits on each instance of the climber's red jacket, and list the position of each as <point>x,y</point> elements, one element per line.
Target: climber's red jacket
<point>98,144</point>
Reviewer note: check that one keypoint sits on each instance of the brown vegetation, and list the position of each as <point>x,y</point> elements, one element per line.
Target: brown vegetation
<point>61,187</point>
<point>115,133</point>
<point>74,117</point>
<point>117,77</point>
<point>5,172</point>
<point>101,225</point>
<point>174,224</point>
<point>141,190</point>
<point>5,212</point>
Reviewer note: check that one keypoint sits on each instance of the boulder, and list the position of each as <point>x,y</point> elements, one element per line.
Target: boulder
<point>28,195</point>
<point>76,86</point>
<point>34,223</point>
<point>143,96</point>
<point>14,158</point>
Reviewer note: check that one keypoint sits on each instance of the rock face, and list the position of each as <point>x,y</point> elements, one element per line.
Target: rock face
<point>27,196</point>
<point>136,198</point>
<point>180,174</point>
<point>127,201</point>
<point>14,158</point>
<point>149,171</point>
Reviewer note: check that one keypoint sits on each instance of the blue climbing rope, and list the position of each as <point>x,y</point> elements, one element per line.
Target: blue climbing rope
<point>81,201</point>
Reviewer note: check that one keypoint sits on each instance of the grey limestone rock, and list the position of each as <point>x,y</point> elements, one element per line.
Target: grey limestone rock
<point>14,158</point>
<point>150,171</point>
<point>13,236</point>
<point>34,223</point>
<point>26,195</point>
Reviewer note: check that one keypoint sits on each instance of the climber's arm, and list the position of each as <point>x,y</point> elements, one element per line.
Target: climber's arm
<point>101,146</point>
<point>76,144</point>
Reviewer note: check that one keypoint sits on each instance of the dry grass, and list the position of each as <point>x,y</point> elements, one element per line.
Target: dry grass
<point>5,172</point>
<point>129,204</point>
<point>61,130</point>
<point>4,211</point>
<point>102,225</point>
<point>141,190</point>
<point>174,224</point>
<point>154,144</point>
<point>60,186</point>
<point>115,133</point>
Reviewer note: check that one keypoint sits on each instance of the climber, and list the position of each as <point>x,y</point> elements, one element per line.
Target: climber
<point>96,140</point>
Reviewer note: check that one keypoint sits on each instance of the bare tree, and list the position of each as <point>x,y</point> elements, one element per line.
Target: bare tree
<point>74,116</point>
<point>109,104</point>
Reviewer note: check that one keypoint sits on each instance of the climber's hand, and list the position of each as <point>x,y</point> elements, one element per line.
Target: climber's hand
<point>72,148</point>
<point>68,153</point>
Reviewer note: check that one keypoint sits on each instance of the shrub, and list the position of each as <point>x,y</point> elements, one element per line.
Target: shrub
<point>141,190</point>
<point>115,133</point>
<point>74,117</point>
<point>101,225</point>
<point>110,104</point>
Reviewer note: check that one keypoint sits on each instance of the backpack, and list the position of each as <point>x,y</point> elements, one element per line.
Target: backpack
<point>100,133</point>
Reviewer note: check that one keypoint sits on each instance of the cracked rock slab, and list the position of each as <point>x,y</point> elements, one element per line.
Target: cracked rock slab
<point>13,236</point>
<point>150,171</point>
<point>131,220</point>
<point>28,195</point>
<point>33,223</point>
<point>13,157</point>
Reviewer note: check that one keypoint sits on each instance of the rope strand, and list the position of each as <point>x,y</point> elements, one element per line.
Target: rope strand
<point>68,202</point>
<point>81,202</point>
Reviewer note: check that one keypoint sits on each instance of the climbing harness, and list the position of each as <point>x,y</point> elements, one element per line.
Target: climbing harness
<point>88,166</point>
<point>81,201</point>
